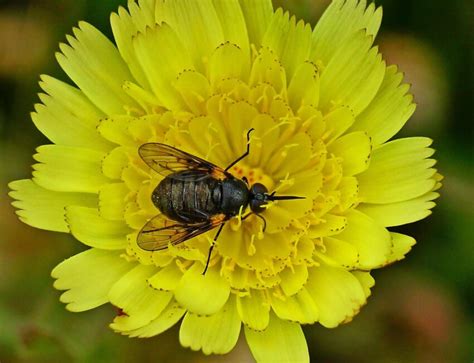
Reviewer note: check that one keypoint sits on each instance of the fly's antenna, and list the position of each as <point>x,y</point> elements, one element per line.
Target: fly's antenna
<point>272,197</point>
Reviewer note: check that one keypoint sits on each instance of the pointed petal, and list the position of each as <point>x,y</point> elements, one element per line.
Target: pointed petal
<point>397,214</point>
<point>168,317</point>
<point>125,26</point>
<point>257,14</point>
<point>304,86</point>
<point>228,61</point>
<point>113,201</point>
<point>341,20</point>
<point>88,277</point>
<point>202,294</point>
<point>254,310</point>
<point>167,278</point>
<point>95,65</point>
<point>298,308</point>
<point>68,169</point>
<point>215,334</point>
<point>389,110</point>
<point>44,209</point>
<point>353,76</point>
<point>402,244</point>
<point>67,117</point>
<point>282,341</point>
<point>372,241</point>
<point>162,56</point>
<point>233,24</point>
<point>399,170</point>
<point>336,292</point>
<point>197,26</point>
<point>91,229</point>
<point>354,149</point>
<point>140,303</point>
<point>289,40</point>
<point>293,279</point>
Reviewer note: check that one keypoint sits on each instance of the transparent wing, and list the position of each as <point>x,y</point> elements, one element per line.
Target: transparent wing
<point>169,161</point>
<point>160,231</point>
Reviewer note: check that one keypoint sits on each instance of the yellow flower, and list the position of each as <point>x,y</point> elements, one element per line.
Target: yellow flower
<point>198,75</point>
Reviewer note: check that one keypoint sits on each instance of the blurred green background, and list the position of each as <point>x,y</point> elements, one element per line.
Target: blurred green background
<point>421,310</point>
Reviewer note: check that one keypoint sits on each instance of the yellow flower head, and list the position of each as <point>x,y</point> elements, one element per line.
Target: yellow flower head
<point>198,75</point>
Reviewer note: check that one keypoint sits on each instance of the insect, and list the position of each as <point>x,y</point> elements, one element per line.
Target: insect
<point>196,196</point>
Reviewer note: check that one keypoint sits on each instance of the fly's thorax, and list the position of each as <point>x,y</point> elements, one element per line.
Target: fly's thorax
<point>235,194</point>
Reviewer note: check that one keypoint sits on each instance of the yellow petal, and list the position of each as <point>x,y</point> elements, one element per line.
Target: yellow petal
<point>167,318</point>
<point>282,341</point>
<point>68,169</point>
<point>354,149</point>
<point>289,40</point>
<point>88,277</point>
<point>399,170</point>
<point>162,56</point>
<point>115,129</point>
<point>402,244</point>
<point>397,214</point>
<point>340,20</point>
<point>298,308</point>
<point>389,110</point>
<point>267,68</point>
<point>140,302</point>
<point>329,226</point>
<point>372,241</point>
<point>353,76</point>
<point>197,26</point>
<point>215,334</point>
<point>304,86</point>
<point>194,88</point>
<point>336,292</point>
<point>228,61</point>
<point>44,209</point>
<point>337,122</point>
<point>97,68</point>
<point>202,294</point>
<point>293,279</point>
<point>125,26</point>
<point>366,281</point>
<point>167,278</point>
<point>113,201</point>
<point>233,23</point>
<point>339,253</point>
<point>254,310</point>
<point>91,229</point>
<point>67,117</point>
<point>115,162</point>
<point>257,16</point>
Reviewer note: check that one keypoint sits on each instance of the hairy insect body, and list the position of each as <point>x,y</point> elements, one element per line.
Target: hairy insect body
<point>198,199</point>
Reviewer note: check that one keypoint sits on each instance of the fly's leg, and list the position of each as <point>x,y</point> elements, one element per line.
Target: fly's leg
<point>245,154</point>
<point>212,246</point>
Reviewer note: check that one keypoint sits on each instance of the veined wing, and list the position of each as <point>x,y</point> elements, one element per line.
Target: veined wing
<point>169,161</point>
<point>159,232</point>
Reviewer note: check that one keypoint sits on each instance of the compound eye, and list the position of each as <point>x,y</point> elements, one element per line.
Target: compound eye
<point>258,188</point>
<point>257,205</point>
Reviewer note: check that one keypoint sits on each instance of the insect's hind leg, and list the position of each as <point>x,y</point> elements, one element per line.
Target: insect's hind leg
<point>245,154</point>
<point>212,246</point>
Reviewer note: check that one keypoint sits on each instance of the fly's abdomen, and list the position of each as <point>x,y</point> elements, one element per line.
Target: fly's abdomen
<point>188,201</point>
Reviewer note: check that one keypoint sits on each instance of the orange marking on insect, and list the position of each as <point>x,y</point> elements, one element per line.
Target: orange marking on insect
<point>218,218</point>
<point>218,174</point>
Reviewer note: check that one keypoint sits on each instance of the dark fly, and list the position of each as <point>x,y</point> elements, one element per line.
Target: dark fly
<point>196,196</point>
